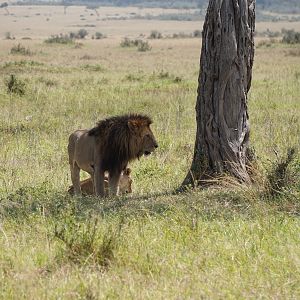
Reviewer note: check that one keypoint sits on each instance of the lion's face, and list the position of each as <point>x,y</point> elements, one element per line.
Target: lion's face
<point>125,182</point>
<point>149,143</point>
<point>143,140</point>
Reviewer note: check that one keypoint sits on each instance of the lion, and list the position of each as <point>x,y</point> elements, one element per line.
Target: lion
<point>109,147</point>
<point>87,186</point>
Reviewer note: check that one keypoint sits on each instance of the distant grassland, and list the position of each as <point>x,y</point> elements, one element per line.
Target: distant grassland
<point>289,6</point>
<point>222,243</point>
<point>39,22</point>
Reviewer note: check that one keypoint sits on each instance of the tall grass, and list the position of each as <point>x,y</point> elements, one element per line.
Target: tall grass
<point>229,242</point>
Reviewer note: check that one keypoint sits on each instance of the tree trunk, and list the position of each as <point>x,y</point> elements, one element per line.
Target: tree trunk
<point>222,138</point>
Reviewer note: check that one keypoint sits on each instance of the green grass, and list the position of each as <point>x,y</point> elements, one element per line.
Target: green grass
<point>228,242</point>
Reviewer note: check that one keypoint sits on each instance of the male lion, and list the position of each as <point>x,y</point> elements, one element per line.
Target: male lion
<point>109,147</point>
<point>87,186</point>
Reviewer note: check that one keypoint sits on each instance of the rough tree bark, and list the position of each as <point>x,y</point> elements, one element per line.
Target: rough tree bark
<point>222,138</point>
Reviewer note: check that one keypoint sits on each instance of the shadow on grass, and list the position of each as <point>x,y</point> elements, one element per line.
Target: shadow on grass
<point>207,204</point>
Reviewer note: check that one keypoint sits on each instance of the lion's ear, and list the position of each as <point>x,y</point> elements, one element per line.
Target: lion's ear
<point>133,125</point>
<point>127,171</point>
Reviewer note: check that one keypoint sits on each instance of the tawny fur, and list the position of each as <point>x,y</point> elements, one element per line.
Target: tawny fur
<point>87,186</point>
<point>109,147</point>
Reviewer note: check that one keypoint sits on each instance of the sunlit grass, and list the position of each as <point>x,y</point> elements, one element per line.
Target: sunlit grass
<point>223,243</point>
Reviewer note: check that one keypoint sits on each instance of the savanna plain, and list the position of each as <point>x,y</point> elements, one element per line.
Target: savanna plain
<point>230,241</point>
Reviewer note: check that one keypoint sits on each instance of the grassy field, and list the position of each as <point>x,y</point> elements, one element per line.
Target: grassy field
<point>228,242</point>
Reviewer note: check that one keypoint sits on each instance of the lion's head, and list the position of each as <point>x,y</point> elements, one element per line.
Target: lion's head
<point>142,136</point>
<point>122,139</point>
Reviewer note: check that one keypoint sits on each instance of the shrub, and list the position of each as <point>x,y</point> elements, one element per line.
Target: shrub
<point>82,33</point>
<point>126,42</point>
<point>136,42</point>
<point>19,49</point>
<point>290,36</point>
<point>15,85</point>
<point>72,35</point>
<point>67,38</point>
<point>99,35</point>
<point>60,39</point>
<point>130,43</point>
<point>155,35</point>
<point>144,46</point>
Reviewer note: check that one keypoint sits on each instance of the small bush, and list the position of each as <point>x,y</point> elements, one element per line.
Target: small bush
<point>15,85</point>
<point>291,37</point>
<point>144,46</point>
<point>19,49</point>
<point>155,35</point>
<point>99,36</point>
<point>82,33</point>
<point>72,35</point>
<point>60,39</point>
<point>126,42</point>
<point>131,43</point>
<point>67,38</point>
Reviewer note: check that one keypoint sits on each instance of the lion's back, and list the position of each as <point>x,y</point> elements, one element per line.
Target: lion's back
<point>73,139</point>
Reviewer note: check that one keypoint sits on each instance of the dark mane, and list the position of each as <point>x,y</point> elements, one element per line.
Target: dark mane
<point>118,121</point>
<point>118,139</point>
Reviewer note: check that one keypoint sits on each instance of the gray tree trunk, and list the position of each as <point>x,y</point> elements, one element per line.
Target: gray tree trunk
<point>222,138</point>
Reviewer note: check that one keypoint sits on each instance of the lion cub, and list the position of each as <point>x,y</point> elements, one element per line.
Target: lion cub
<point>124,185</point>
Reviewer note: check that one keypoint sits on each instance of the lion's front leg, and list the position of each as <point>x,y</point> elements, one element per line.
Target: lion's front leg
<point>113,182</point>
<point>75,177</point>
<point>99,181</point>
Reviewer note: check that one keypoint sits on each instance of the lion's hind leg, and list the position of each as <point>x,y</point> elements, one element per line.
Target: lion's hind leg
<point>75,177</point>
